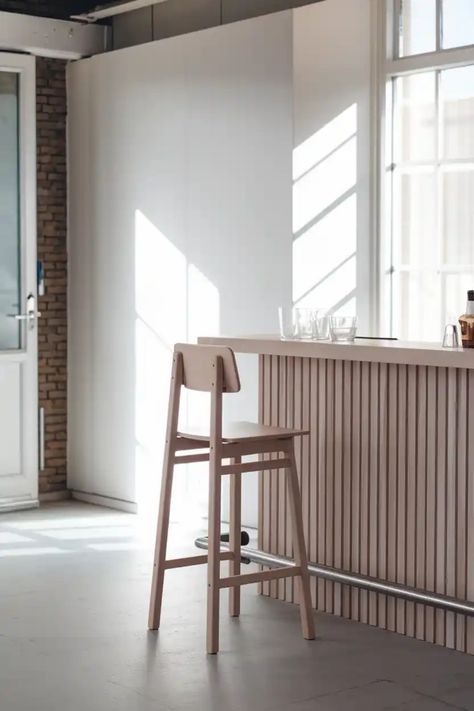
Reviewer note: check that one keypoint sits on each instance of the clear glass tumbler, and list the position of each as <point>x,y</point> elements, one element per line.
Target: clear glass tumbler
<point>343,329</point>
<point>321,325</point>
<point>305,322</point>
<point>287,319</point>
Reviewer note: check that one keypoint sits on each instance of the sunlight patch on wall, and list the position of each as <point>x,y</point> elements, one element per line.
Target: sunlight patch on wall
<point>325,141</point>
<point>321,251</point>
<point>325,216</point>
<point>175,302</point>
<point>321,187</point>
<point>203,317</point>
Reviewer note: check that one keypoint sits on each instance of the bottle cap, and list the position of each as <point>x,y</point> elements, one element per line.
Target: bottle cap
<point>470,295</point>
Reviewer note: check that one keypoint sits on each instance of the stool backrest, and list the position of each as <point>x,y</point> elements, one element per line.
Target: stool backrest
<point>199,367</point>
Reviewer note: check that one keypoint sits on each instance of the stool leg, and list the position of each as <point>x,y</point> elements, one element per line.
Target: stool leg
<point>306,611</point>
<point>161,542</point>
<point>213,560</point>
<point>234,536</point>
<point>165,496</point>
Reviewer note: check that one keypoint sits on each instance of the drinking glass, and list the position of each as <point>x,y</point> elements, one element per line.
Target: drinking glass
<point>287,318</point>
<point>305,323</point>
<point>451,336</point>
<point>343,328</point>
<point>321,325</point>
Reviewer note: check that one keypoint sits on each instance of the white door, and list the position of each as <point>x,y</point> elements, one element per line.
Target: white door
<point>18,285</point>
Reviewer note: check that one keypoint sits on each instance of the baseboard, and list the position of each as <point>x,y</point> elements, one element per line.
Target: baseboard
<point>7,505</point>
<point>107,501</point>
<point>50,496</point>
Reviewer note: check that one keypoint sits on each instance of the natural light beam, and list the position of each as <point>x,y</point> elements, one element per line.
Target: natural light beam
<point>6,537</point>
<point>175,302</point>
<point>18,552</point>
<point>324,185</point>
<point>325,141</point>
<point>321,249</point>
<point>84,534</point>
<point>92,521</point>
<point>113,547</point>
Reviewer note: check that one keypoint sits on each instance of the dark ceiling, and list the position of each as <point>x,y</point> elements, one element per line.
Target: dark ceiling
<point>60,9</point>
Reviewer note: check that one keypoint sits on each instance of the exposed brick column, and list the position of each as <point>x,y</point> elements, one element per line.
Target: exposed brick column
<point>52,251</point>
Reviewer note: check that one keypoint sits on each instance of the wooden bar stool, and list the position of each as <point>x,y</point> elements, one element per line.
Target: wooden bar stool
<point>214,369</point>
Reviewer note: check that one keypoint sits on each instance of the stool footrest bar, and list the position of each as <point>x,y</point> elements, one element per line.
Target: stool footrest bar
<point>255,466</point>
<point>195,560</point>
<point>275,574</point>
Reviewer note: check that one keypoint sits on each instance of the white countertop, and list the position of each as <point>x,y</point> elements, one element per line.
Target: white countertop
<point>365,350</point>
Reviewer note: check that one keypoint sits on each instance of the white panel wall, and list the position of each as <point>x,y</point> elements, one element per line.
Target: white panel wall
<point>332,114</point>
<point>186,220</point>
<point>180,225</point>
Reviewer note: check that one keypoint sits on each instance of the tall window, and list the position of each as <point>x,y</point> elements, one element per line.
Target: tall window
<point>429,255</point>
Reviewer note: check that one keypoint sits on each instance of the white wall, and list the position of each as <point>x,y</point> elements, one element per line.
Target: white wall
<point>180,225</point>
<point>181,217</point>
<point>332,129</point>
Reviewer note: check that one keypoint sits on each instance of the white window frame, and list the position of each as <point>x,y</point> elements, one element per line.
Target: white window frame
<point>387,65</point>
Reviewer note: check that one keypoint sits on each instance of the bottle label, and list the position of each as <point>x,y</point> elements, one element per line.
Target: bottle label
<point>467,332</point>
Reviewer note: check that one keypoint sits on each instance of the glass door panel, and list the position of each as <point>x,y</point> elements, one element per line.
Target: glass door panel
<point>10,238</point>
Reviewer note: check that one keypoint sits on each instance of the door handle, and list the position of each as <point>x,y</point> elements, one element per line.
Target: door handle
<point>31,313</point>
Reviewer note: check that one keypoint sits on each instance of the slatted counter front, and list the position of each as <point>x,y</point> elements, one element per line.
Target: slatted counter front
<point>387,475</point>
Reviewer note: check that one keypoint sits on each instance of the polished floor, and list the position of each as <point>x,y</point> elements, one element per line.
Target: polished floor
<point>74,582</point>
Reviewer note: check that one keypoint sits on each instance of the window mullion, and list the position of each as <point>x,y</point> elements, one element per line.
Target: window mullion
<point>439,24</point>
<point>439,193</point>
<point>396,29</point>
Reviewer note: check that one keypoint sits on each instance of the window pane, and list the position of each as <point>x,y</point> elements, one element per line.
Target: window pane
<point>456,288</point>
<point>457,106</point>
<point>458,23</point>
<point>419,307</point>
<point>417,219</point>
<point>458,223</point>
<point>9,217</point>
<point>415,138</point>
<point>417,27</point>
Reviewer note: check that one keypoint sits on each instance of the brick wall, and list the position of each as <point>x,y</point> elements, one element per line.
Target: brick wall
<point>52,251</point>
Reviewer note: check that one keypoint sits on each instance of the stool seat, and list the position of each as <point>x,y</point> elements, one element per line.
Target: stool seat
<point>242,432</point>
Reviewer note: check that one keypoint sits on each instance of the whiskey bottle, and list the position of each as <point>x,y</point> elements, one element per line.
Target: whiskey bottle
<point>467,322</point>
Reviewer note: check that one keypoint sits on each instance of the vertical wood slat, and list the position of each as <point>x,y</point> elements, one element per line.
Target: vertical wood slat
<point>392,474</point>
<point>267,394</point>
<point>440,579</point>
<point>420,490</point>
<point>411,478</point>
<point>273,476</point>
<point>387,485</point>
<point>470,511</point>
<point>462,521</point>
<point>281,476</point>
<point>401,492</point>
<point>337,511</point>
<point>431,435</point>
<point>291,396</point>
<point>305,475</point>
<point>347,483</point>
<point>356,482</point>
<point>312,541</point>
<point>298,423</point>
<point>364,487</point>
<point>382,542</point>
<point>373,490</point>
<point>451,513</point>
<point>321,477</point>
<point>262,525</point>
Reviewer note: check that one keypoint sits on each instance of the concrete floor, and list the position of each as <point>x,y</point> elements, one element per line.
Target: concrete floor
<point>74,583</point>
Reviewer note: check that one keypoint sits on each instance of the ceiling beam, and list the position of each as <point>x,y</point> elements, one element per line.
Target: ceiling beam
<point>45,37</point>
<point>117,8</point>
